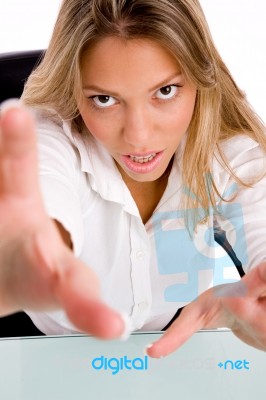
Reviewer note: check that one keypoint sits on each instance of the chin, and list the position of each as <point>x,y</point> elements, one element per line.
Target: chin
<point>144,178</point>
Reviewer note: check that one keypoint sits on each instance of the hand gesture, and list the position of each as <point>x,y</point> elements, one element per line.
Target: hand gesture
<point>37,270</point>
<point>240,306</point>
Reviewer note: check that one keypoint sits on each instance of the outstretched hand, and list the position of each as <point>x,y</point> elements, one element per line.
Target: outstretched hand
<point>37,270</point>
<point>240,306</point>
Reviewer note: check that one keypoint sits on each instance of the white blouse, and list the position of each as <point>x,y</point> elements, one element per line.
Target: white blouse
<point>147,271</point>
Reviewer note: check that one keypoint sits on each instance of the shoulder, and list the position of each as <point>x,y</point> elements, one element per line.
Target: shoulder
<point>50,123</point>
<point>239,148</point>
<point>57,137</point>
<point>245,159</point>
<point>239,152</point>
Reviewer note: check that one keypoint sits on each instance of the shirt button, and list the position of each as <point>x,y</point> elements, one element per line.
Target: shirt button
<point>140,254</point>
<point>143,305</point>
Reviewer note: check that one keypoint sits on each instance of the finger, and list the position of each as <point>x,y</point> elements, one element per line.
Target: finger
<point>78,294</point>
<point>18,151</point>
<point>189,322</point>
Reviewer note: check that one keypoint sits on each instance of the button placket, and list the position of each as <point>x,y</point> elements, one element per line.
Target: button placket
<point>140,259</point>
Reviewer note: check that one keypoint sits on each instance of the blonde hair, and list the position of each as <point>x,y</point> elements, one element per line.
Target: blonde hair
<point>221,109</point>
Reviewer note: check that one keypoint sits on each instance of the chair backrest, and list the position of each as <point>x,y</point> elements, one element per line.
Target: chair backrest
<point>14,70</point>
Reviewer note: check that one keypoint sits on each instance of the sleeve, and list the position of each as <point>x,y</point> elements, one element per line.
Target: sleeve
<point>243,216</point>
<point>58,176</point>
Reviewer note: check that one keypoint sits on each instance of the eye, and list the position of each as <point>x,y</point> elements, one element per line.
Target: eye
<point>103,100</point>
<point>167,92</point>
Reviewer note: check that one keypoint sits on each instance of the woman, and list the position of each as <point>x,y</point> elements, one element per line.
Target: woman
<point>147,147</point>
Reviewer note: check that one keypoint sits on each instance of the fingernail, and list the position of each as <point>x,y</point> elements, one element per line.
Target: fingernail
<point>8,105</point>
<point>147,348</point>
<point>127,327</point>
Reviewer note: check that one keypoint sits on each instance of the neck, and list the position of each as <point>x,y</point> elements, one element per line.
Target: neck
<point>147,194</point>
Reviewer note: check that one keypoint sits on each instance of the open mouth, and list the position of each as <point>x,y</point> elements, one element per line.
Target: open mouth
<point>142,163</point>
<point>142,159</point>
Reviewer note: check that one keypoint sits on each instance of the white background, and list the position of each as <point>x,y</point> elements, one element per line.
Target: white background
<point>238,28</point>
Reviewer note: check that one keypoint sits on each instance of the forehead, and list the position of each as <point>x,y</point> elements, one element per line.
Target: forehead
<point>113,58</point>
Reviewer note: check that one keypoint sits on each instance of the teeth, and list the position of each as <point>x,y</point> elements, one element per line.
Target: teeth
<point>142,160</point>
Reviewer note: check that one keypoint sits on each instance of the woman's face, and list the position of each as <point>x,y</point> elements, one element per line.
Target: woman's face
<point>136,103</point>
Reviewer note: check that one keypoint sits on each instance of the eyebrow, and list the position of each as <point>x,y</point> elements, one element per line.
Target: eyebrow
<point>157,86</point>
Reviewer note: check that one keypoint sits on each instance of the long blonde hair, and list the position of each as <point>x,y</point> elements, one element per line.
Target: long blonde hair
<point>221,109</point>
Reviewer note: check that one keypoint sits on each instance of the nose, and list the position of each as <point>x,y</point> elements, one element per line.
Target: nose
<point>137,127</point>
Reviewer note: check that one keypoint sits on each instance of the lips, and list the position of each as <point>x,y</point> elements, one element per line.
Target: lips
<point>142,163</point>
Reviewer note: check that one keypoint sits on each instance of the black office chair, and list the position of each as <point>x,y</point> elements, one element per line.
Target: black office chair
<point>14,71</point>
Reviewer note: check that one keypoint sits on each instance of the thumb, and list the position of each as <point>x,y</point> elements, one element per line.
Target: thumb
<point>78,293</point>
